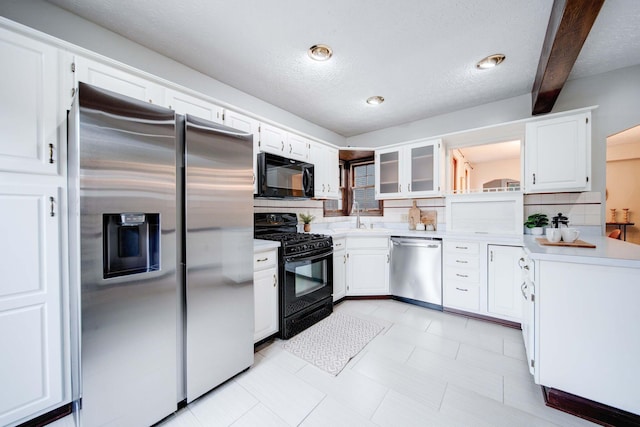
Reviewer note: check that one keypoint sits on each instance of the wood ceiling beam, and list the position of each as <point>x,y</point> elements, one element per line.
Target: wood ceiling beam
<point>569,26</point>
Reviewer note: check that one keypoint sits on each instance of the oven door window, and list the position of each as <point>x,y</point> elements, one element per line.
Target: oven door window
<point>309,277</point>
<point>307,281</point>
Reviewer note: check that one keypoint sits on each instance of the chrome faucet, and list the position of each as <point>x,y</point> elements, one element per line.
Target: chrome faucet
<point>356,206</point>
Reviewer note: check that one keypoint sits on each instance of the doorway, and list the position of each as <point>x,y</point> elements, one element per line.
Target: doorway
<point>623,183</point>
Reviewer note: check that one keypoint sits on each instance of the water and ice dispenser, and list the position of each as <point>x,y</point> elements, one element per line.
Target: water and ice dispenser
<point>131,243</point>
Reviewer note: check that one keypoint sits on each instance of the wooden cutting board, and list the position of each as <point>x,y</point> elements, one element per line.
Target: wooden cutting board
<point>577,244</point>
<point>414,216</point>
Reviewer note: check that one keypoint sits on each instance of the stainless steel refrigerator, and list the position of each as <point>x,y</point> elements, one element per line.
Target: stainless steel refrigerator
<point>161,313</point>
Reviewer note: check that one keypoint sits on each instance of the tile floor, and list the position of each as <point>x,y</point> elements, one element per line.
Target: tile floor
<point>427,368</point>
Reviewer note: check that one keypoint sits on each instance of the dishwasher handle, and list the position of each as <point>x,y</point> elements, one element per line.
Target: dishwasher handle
<point>416,243</point>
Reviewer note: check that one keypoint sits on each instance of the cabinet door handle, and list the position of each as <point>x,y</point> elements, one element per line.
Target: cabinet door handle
<point>282,148</point>
<point>275,280</point>
<point>52,206</point>
<point>345,259</point>
<point>409,188</point>
<point>50,153</point>
<point>460,261</point>
<point>329,188</point>
<point>254,179</point>
<point>522,288</point>
<point>491,253</point>
<point>461,275</point>
<point>534,178</point>
<point>388,258</point>
<point>262,259</point>
<point>521,263</point>
<point>338,244</point>
<point>462,289</point>
<point>323,188</point>
<point>400,188</point>
<point>290,148</point>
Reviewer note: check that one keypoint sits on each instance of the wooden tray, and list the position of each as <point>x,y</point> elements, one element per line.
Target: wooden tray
<point>577,244</point>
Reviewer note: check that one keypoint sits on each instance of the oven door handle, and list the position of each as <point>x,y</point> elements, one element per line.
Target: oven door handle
<point>302,257</point>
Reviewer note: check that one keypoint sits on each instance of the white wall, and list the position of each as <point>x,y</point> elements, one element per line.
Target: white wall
<point>59,23</point>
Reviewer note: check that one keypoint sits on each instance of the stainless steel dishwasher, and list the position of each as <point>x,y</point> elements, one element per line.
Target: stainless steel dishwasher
<point>416,270</point>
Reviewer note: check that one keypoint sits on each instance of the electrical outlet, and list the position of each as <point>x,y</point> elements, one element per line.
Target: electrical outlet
<point>404,217</point>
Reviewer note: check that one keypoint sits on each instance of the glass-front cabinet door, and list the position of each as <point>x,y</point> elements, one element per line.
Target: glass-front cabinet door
<point>411,170</point>
<point>388,183</point>
<point>423,168</point>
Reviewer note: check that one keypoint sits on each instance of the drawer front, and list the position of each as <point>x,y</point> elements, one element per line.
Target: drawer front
<point>462,275</point>
<point>367,242</point>
<point>461,295</point>
<point>462,260</point>
<point>462,247</point>
<point>267,259</point>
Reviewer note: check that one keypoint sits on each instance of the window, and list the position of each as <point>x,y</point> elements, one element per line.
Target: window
<point>357,183</point>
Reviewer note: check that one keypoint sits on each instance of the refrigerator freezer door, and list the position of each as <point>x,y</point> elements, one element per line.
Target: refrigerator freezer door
<point>122,160</point>
<point>218,182</point>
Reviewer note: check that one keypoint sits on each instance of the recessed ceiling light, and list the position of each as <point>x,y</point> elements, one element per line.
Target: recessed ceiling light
<point>320,52</point>
<point>490,61</point>
<point>375,100</point>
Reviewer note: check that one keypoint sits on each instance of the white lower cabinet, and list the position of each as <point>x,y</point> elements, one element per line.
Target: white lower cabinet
<point>265,293</point>
<point>33,362</point>
<point>504,278</point>
<point>586,331</point>
<point>339,269</point>
<point>461,283</point>
<point>367,265</point>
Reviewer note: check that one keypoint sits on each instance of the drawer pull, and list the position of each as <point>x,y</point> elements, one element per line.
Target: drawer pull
<point>462,275</point>
<point>459,261</point>
<point>462,289</point>
<point>462,247</point>
<point>338,244</point>
<point>262,259</point>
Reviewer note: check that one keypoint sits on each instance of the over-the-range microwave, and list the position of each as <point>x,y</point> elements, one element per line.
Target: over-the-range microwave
<point>281,177</point>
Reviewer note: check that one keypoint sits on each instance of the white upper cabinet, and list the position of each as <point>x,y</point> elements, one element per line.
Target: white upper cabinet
<point>411,170</point>
<point>278,141</point>
<point>272,139</point>
<point>30,101</point>
<point>558,154</point>
<point>183,103</point>
<point>297,147</point>
<point>326,171</point>
<point>246,124</point>
<point>120,81</point>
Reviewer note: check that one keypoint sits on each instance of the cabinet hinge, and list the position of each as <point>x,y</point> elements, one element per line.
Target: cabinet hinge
<point>73,67</point>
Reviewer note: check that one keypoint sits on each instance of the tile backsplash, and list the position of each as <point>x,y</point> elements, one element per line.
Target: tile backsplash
<point>582,209</point>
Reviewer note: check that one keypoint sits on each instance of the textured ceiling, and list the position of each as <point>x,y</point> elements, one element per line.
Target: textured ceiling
<point>420,55</point>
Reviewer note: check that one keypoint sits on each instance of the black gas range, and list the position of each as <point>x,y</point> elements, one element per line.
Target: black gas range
<point>305,266</point>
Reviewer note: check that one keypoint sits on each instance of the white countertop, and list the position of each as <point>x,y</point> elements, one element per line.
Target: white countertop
<point>403,232</point>
<point>260,245</point>
<point>608,251</point>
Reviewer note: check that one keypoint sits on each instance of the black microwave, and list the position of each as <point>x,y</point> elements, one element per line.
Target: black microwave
<point>284,178</point>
